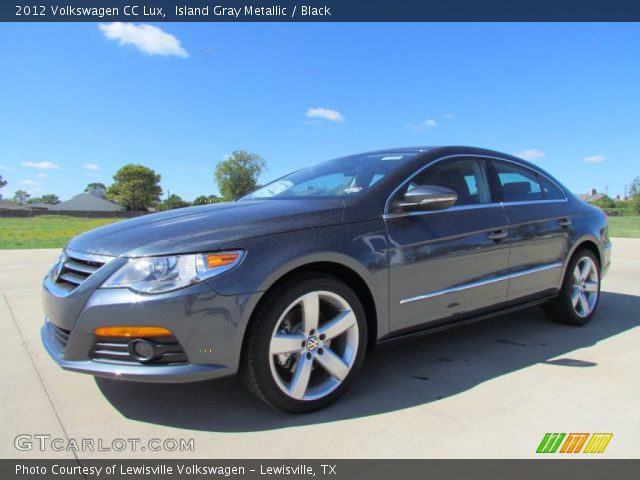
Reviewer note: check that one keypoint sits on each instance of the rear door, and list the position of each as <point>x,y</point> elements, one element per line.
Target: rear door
<point>448,263</point>
<point>540,225</point>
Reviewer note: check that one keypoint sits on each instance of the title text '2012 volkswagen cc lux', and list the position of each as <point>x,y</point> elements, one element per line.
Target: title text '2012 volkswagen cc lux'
<point>292,284</point>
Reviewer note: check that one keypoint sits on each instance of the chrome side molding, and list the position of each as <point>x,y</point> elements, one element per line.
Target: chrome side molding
<point>480,283</point>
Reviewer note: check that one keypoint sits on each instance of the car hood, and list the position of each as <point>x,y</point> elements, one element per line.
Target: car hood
<point>207,227</point>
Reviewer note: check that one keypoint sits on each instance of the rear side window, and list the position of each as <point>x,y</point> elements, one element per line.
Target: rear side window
<point>517,184</point>
<point>520,184</point>
<point>550,190</point>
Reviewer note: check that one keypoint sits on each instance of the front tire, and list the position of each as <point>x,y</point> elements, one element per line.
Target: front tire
<point>580,294</point>
<point>305,344</point>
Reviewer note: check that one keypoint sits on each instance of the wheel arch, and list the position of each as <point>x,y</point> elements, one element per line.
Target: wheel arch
<point>339,270</point>
<point>587,242</point>
<point>593,247</point>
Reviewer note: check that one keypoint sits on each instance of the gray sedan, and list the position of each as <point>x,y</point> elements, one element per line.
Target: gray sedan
<point>292,284</point>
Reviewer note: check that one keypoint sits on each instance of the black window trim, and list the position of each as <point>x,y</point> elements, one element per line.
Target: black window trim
<point>387,214</point>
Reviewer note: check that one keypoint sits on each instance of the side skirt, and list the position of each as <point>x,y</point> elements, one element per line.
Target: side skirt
<point>427,329</point>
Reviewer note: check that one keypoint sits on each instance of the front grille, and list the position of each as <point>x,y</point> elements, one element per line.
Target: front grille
<point>74,270</point>
<point>60,335</point>
<point>116,350</point>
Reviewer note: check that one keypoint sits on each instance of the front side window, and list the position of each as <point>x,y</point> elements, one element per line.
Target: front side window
<point>464,176</point>
<point>342,177</point>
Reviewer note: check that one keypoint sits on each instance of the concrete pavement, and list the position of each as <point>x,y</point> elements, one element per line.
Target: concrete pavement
<point>488,390</point>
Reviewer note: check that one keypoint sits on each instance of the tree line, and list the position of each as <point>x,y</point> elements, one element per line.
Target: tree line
<point>137,187</point>
<point>622,207</point>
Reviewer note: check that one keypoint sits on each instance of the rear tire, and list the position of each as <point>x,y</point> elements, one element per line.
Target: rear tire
<point>580,293</point>
<point>305,344</point>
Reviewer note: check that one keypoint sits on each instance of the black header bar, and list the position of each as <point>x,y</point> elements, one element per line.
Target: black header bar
<point>319,10</point>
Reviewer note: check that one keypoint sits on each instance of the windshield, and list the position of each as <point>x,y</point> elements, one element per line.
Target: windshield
<point>342,177</point>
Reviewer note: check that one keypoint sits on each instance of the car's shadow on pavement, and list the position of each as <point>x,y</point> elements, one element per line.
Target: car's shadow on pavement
<point>395,376</point>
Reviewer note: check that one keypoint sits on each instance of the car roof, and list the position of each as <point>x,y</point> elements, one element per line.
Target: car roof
<point>401,150</point>
<point>427,153</point>
<point>451,150</point>
<point>424,153</point>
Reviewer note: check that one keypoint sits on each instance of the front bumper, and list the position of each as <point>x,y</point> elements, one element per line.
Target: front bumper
<point>139,373</point>
<point>209,327</point>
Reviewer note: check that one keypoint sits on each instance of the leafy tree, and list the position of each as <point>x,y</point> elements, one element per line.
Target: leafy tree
<point>204,199</point>
<point>50,199</point>
<point>3,182</point>
<point>136,187</point>
<point>605,202</point>
<point>238,174</point>
<point>21,196</point>
<point>635,204</point>
<point>634,188</point>
<point>623,204</point>
<point>634,196</point>
<point>174,201</point>
<point>95,186</point>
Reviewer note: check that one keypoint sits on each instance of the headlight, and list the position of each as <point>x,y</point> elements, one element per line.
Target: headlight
<point>164,274</point>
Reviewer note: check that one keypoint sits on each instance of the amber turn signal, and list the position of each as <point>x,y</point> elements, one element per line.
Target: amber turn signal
<point>130,332</point>
<point>220,260</point>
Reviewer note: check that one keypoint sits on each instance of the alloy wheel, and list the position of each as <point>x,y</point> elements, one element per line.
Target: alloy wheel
<point>584,287</point>
<point>313,345</point>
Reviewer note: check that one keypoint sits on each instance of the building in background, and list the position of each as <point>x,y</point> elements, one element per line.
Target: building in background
<point>93,201</point>
<point>591,197</point>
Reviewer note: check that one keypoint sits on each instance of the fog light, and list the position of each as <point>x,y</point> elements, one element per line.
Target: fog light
<point>142,350</point>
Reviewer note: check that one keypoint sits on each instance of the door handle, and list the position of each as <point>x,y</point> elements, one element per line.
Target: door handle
<point>564,222</point>
<point>497,235</point>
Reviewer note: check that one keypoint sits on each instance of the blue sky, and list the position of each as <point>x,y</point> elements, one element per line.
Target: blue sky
<point>80,100</point>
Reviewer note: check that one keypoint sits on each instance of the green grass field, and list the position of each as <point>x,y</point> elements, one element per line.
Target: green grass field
<point>45,231</point>
<point>624,227</point>
<point>50,231</point>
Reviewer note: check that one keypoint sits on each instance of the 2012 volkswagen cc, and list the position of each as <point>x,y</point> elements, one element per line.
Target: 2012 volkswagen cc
<point>292,284</point>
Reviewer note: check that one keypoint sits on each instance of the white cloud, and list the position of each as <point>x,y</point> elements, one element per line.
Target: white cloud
<point>449,116</point>
<point>8,169</point>
<point>595,159</point>
<point>30,183</point>
<point>422,125</point>
<point>41,165</point>
<point>531,154</point>
<point>42,175</point>
<point>90,166</point>
<point>326,113</point>
<point>146,38</point>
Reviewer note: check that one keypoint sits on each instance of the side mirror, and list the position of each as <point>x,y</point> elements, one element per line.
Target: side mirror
<point>428,197</point>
